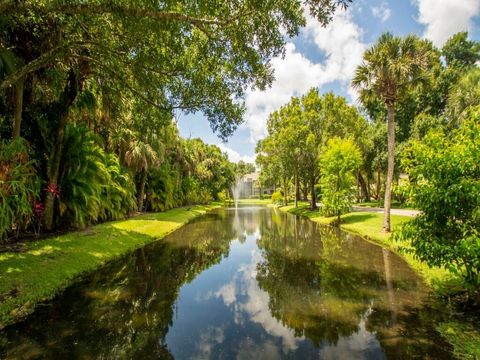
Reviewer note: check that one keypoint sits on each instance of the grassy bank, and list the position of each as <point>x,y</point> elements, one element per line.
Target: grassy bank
<point>48,266</point>
<point>255,201</point>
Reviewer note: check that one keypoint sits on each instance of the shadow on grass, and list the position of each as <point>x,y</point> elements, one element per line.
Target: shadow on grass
<point>304,211</point>
<point>357,218</point>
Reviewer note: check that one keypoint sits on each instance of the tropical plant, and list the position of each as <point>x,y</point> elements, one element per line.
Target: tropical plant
<point>164,189</point>
<point>19,186</point>
<point>118,193</point>
<point>391,67</point>
<point>83,177</point>
<point>444,184</point>
<point>141,156</point>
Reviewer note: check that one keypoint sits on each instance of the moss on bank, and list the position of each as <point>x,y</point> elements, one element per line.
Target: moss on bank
<point>48,266</point>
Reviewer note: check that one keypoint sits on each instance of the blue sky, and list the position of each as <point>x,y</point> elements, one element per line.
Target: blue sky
<point>327,57</point>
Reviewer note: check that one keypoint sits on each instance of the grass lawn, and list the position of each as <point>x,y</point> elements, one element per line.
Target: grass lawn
<point>395,204</point>
<point>255,201</point>
<point>48,266</point>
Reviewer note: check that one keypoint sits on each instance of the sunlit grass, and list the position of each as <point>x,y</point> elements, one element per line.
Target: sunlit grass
<point>48,266</point>
<point>255,201</point>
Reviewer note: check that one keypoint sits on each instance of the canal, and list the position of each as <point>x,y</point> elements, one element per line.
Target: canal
<point>252,283</point>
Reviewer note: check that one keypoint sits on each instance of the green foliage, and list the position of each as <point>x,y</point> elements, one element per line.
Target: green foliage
<point>423,123</point>
<point>82,179</point>
<point>118,194</point>
<point>339,160</point>
<point>392,67</point>
<point>243,168</point>
<point>460,52</point>
<point>444,184</point>
<point>164,188</point>
<point>47,267</point>
<point>277,198</point>
<point>19,186</point>
<point>197,57</point>
<point>120,70</point>
<point>210,171</point>
<point>93,185</point>
<point>296,133</point>
<point>463,95</point>
<point>464,336</point>
<point>195,192</point>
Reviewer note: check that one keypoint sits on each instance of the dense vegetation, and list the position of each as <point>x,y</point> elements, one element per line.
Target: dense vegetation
<point>427,156</point>
<point>89,91</point>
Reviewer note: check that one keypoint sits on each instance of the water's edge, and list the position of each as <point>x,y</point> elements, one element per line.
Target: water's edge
<point>22,311</point>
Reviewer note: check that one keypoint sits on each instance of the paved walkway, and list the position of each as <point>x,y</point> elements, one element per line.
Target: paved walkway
<point>404,212</point>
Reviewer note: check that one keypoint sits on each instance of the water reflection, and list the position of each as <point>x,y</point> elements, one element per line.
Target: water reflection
<point>255,283</point>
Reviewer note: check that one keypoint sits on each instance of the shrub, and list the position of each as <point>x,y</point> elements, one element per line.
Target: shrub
<point>19,186</point>
<point>277,198</point>
<point>93,185</point>
<point>339,160</point>
<point>83,177</point>
<point>444,184</point>
<point>195,193</point>
<point>118,193</point>
<point>164,188</point>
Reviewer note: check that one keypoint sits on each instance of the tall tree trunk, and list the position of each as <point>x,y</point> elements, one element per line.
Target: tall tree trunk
<point>369,186</point>
<point>67,99</point>
<point>313,200</point>
<point>285,192</point>
<point>363,185</point>
<point>304,189</point>
<point>141,190</point>
<point>17,118</point>
<point>297,190</point>
<point>379,174</point>
<point>390,166</point>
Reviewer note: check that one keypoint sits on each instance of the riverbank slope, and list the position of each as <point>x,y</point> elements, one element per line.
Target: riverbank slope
<point>46,267</point>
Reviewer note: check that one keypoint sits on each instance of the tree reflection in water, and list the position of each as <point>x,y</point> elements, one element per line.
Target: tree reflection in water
<point>256,283</point>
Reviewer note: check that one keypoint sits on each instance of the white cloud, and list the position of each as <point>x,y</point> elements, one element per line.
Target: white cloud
<point>250,302</point>
<point>294,75</point>
<point>234,156</point>
<point>382,12</point>
<point>341,44</point>
<point>227,292</point>
<point>443,18</point>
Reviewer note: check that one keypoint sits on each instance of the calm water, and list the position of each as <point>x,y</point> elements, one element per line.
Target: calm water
<point>251,284</point>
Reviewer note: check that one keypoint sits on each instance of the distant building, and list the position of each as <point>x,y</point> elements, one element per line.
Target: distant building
<point>249,186</point>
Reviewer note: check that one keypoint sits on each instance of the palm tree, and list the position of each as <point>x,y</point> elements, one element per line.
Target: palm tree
<point>390,68</point>
<point>140,156</point>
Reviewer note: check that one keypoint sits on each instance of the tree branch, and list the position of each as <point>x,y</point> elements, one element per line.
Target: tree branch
<point>10,6</point>
<point>39,62</point>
